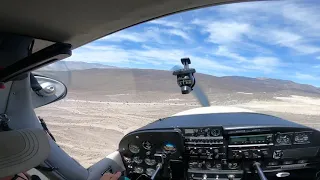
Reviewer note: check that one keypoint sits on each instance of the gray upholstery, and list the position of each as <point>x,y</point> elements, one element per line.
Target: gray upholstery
<point>22,150</point>
<point>80,21</point>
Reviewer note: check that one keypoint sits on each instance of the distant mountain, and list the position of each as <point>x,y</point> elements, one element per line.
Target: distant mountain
<point>146,80</point>
<point>74,65</point>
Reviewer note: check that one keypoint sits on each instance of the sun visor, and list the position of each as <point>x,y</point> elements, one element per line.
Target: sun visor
<point>21,54</point>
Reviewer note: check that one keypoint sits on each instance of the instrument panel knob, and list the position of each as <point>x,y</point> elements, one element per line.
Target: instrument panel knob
<point>231,177</point>
<point>277,154</point>
<point>204,177</point>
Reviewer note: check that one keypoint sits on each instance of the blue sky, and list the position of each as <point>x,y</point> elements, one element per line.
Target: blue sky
<point>279,39</point>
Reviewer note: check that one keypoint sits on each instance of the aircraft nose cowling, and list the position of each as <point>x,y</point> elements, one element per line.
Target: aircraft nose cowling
<point>212,109</point>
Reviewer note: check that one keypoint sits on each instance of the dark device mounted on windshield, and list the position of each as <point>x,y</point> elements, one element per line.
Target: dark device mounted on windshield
<point>185,78</point>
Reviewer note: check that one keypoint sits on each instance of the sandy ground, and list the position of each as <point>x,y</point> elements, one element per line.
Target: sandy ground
<point>89,129</point>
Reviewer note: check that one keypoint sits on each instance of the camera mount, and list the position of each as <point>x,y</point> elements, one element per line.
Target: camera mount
<point>185,77</point>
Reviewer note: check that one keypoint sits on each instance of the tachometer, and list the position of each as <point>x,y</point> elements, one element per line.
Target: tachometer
<point>134,148</point>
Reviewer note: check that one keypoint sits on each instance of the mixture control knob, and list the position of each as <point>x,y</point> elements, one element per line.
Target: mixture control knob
<point>231,177</point>
<point>204,177</point>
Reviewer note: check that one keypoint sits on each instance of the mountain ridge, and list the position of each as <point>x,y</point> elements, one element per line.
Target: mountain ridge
<point>97,77</point>
<point>74,65</point>
<point>143,80</point>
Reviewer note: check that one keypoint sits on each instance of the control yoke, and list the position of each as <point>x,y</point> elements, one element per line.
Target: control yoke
<point>185,78</point>
<point>256,166</point>
<point>160,159</point>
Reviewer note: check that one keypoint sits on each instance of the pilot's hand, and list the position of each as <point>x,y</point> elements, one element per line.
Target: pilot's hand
<point>109,176</point>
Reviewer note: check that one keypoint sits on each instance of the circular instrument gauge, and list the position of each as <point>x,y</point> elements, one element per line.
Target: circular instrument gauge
<point>169,148</point>
<point>147,145</point>
<point>138,170</point>
<point>301,138</point>
<point>150,171</point>
<point>150,162</point>
<point>215,132</point>
<point>283,139</point>
<point>286,139</point>
<point>134,149</point>
<point>127,159</point>
<point>137,160</point>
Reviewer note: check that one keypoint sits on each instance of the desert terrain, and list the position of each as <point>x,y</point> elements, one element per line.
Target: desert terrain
<point>103,105</point>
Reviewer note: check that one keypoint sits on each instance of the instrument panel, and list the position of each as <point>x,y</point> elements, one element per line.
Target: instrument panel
<point>217,152</point>
<point>142,151</point>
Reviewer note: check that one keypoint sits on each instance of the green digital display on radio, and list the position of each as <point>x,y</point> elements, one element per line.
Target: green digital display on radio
<point>250,139</point>
<point>238,139</point>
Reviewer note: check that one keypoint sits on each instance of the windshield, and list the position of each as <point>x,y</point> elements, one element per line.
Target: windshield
<point>258,56</point>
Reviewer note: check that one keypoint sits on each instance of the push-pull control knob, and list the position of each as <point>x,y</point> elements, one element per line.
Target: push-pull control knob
<point>256,166</point>
<point>231,177</point>
<point>204,177</point>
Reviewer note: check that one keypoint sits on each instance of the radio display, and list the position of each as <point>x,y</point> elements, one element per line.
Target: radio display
<point>237,139</point>
<point>251,139</point>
